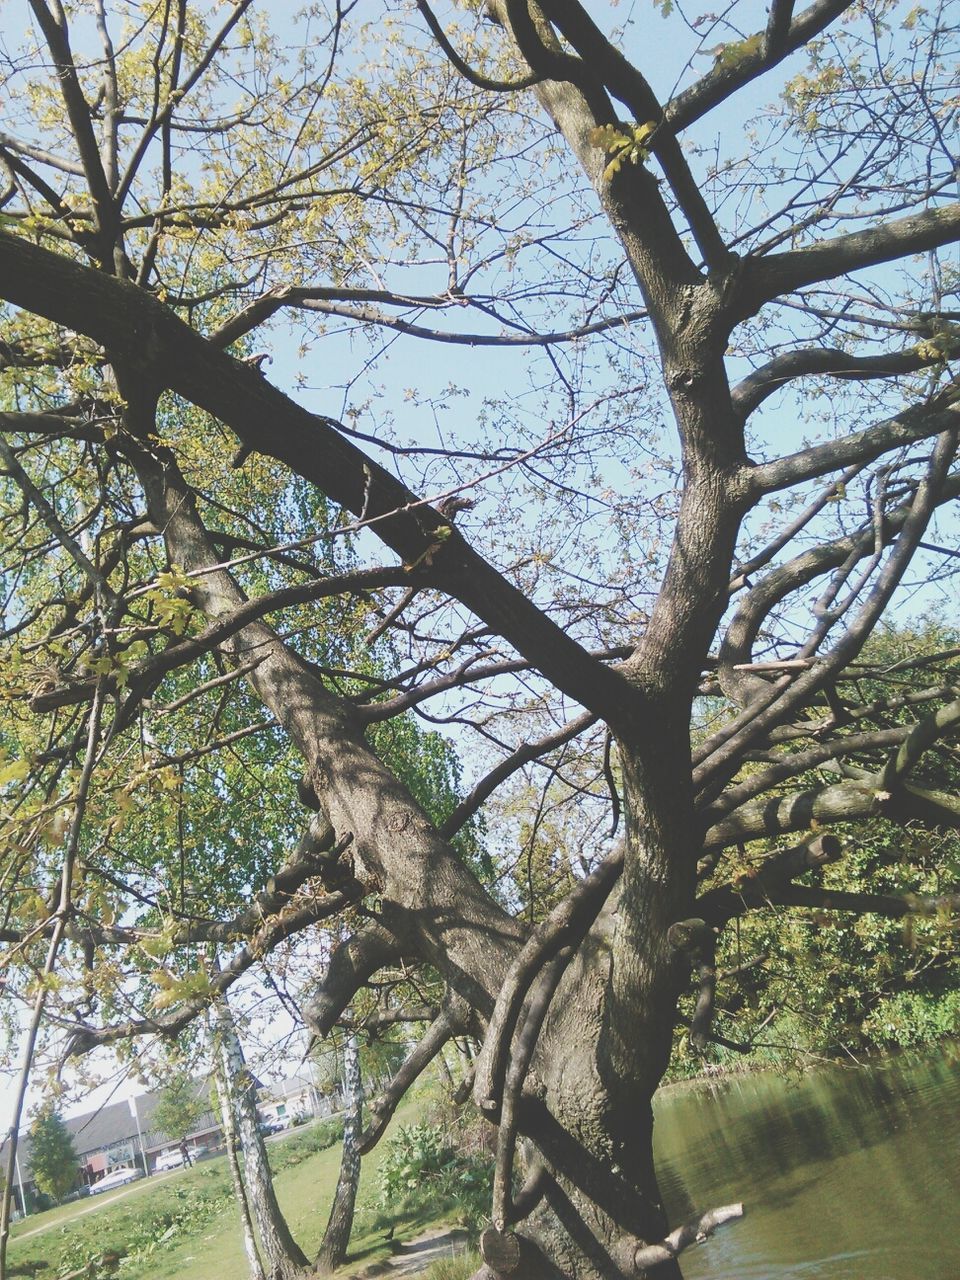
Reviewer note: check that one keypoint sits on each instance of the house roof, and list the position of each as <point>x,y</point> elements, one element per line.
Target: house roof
<point>111,1125</point>
<point>287,1088</point>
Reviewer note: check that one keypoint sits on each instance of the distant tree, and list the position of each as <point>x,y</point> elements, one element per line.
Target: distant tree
<point>52,1155</point>
<point>180,1107</point>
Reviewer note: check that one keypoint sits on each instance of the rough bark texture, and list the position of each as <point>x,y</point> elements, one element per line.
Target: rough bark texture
<point>572,1057</point>
<point>232,1139</point>
<point>336,1237</point>
<point>284,1257</point>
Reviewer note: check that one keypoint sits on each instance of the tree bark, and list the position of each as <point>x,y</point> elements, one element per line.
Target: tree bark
<point>333,1247</point>
<point>236,1174</point>
<point>285,1259</point>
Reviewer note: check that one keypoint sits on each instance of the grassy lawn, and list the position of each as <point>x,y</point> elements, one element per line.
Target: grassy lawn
<point>184,1226</point>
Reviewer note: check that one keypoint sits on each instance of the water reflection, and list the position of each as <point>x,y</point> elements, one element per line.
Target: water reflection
<point>847,1174</point>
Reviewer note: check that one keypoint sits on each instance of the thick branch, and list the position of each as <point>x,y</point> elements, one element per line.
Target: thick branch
<point>730,75</point>
<point>565,926</point>
<point>763,382</point>
<point>767,278</point>
<point>351,965</point>
<point>453,1018</point>
<point>894,906</point>
<point>943,722</point>
<point>916,423</point>
<point>164,352</point>
<point>694,1231</point>
<point>850,801</point>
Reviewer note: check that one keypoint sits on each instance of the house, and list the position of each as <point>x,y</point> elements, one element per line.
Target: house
<point>292,1099</point>
<point>118,1133</point>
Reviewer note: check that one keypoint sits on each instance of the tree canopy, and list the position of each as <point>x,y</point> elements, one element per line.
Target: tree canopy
<point>610,420</point>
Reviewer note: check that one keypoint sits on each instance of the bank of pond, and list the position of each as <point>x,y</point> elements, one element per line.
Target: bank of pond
<point>847,1172</point>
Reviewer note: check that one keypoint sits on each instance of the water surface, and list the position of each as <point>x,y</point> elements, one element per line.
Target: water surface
<point>846,1174</point>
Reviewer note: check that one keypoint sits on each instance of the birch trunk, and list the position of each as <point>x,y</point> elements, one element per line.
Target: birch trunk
<point>333,1248</point>
<point>285,1259</point>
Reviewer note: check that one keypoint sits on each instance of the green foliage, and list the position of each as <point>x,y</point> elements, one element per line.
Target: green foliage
<point>52,1155</point>
<point>832,982</point>
<point>423,1162</point>
<point>162,1220</point>
<point>629,145</point>
<point>909,1018</point>
<point>299,1147</point>
<point>180,1108</point>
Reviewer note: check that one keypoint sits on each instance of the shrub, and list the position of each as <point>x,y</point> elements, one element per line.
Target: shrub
<point>422,1163</point>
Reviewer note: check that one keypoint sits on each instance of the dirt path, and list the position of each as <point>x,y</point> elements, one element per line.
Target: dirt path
<point>418,1254</point>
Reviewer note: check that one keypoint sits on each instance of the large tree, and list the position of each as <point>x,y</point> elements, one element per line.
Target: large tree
<point>720,465</point>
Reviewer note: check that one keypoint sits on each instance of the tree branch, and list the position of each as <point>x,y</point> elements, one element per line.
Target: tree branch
<point>506,768</point>
<point>750,393</point>
<point>453,1018</point>
<point>164,352</point>
<point>353,963</point>
<point>694,1231</point>
<point>730,75</point>
<point>565,926</point>
<point>766,278</point>
<point>860,447</point>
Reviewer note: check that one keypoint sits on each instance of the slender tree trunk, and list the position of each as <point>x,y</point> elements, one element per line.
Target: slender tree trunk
<point>239,1190</point>
<point>285,1258</point>
<point>333,1247</point>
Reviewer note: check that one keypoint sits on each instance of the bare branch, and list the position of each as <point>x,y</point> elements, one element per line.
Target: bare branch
<point>147,674</point>
<point>268,421</point>
<point>694,1231</point>
<point>767,278</point>
<point>778,29</point>
<point>729,76</point>
<point>506,768</point>
<point>860,447</point>
<point>482,82</point>
<point>777,373</point>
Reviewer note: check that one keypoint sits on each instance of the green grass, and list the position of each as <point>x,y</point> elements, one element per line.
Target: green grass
<point>461,1268</point>
<point>194,1208</point>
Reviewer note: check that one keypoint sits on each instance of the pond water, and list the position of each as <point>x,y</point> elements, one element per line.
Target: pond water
<point>846,1174</point>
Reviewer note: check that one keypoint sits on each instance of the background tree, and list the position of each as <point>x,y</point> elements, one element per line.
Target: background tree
<point>741,340</point>
<point>181,1106</point>
<point>53,1159</point>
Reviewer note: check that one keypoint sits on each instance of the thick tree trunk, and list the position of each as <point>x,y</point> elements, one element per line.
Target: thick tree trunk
<point>604,1046</point>
<point>333,1247</point>
<point>285,1259</point>
<point>606,1039</point>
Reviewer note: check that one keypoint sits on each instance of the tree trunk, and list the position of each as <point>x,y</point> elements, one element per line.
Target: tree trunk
<point>333,1247</point>
<point>605,1043</point>
<point>236,1175</point>
<point>285,1258</point>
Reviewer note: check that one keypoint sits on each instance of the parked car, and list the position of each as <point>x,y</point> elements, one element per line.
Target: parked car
<point>116,1178</point>
<point>169,1160</point>
<point>271,1126</point>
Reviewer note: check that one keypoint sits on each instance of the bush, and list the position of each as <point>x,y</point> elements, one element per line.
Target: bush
<point>422,1163</point>
<point>912,1018</point>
